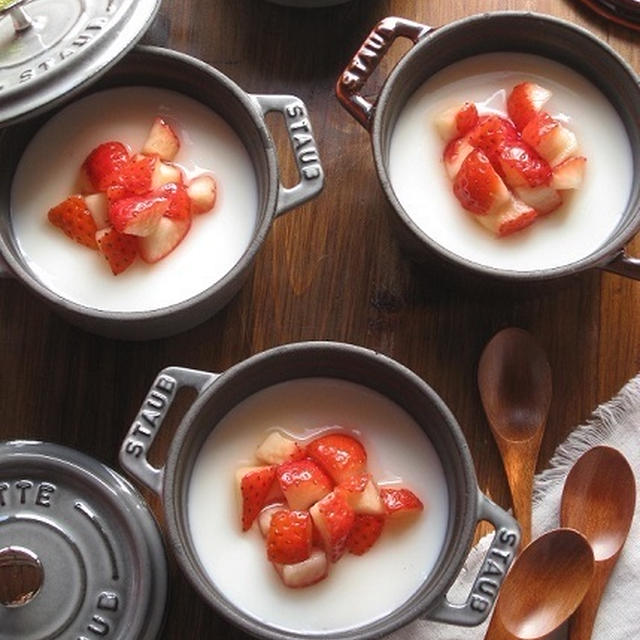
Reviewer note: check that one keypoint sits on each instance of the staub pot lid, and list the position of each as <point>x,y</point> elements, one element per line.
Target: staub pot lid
<point>50,49</point>
<point>80,554</point>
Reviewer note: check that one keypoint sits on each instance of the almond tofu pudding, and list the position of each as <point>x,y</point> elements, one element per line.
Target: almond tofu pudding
<point>587,216</point>
<point>358,589</point>
<point>47,174</point>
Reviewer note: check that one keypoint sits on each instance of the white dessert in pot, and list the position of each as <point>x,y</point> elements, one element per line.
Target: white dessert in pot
<point>359,588</point>
<point>587,216</point>
<point>48,173</point>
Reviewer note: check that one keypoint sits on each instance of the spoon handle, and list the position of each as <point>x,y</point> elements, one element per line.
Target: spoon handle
<point>582,621</point>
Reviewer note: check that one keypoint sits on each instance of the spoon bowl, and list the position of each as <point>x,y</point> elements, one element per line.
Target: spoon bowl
<point>598,500</point>
<point>514,378</point>
<point>544,587</point>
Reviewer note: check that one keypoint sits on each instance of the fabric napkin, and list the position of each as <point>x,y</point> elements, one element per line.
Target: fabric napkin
<point>616,424</point>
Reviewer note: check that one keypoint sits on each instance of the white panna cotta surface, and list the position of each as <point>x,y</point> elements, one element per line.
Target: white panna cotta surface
<point>575,230</point>
<point>358,589</point>
<point>47,174</point>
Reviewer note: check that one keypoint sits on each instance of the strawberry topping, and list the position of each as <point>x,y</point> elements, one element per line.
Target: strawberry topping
<point>119,249</point>
<point>365,532</point>
<point>74,218</point>
<point>104,162</point>
<point>289,537</point>
<point>254,488</point>
<point>340,455</point>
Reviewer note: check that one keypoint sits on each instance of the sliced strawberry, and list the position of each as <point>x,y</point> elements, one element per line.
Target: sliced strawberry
<point>521,166</point>
<point>334,519</point>
<point>340,455</point>
<point>525,101</point>
<point>164,172</point>
<point>569,174</point>
<point>276,449</point>
<point>137,215</point>
<point>491,135</point>
<point>254,484</point>
<point>478,187</point>
<point>264,518</point>
<point>179,203</point>
<point>75,220</point>
<point>456,121</point>
<point>399,503</point>
<point>365,532</point>
<point>167,236</point>
<point>303,482</point>
<point>455,154</point>
<point>289,537</point>
<point>103,164</point>
<point>305,573</point>
<point>203,193</point>
<point>552,140</point>
<point>135,176</point>
<point>362,494</point>
<point>162,140</point>
<point>512,216</point>
<point>120,250</point>
<point>543,199</point>
<point>98,205</point>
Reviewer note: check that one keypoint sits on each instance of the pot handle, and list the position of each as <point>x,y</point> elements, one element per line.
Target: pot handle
<point>5,272</point>
<point>367,58</point>
<point>154,410</point>
<point>496,563</point>
<point>303,145</point>
<point>625,265</point>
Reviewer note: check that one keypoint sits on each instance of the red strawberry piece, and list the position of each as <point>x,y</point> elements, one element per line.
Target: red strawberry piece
<point>135,176</point>
<point>162,140</point>
<point>491,134</point>
<point>400,502</point>
<point>514,217</point>
<point>179,202</point>
<point>264,519</point>
<point>119,249</point>
<point>305,573</point>
<point>166,237</point>
<point>289,537</point>
<point>466,118</point>
<point>362,494</point>
<point>137,215</point>
<point>521,166</point>
<point>569,174</point>
<point>74,218</point>
<point>103,164</point>
<point>254,485</point>
<point>364,533</point>
<point>543,199</point>
<point>340,455</point>
<point>276,449</point>
<point>478,187</point>
<point>164,172</point>
<point>552,140</point>
<point>525,101</point>
<point>303,482</point>
<point>334,519</point>
<point>454,155</point>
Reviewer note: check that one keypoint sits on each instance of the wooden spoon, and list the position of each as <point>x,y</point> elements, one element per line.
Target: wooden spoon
<point>543,588</point>
<point>598,500</point>
<point>514,378</point>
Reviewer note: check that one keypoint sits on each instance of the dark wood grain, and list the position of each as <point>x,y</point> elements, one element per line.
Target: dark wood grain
<point>331,269</point>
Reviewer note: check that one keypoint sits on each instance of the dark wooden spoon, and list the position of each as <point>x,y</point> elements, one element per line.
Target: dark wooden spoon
<point>514,378</point>
<point>543,588</point>
<point>598,500</point>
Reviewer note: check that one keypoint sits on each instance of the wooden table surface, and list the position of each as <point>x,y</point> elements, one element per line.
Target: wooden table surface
<point>331,269</point>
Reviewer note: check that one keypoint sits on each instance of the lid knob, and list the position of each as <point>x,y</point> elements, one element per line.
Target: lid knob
<point>21,576</point>
<point>21,20</point>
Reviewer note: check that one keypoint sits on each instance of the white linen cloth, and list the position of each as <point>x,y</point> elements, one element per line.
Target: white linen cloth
<point>616,424</point>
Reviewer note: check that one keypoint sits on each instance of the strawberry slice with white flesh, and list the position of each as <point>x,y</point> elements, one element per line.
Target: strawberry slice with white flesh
<point>167,236</point>
<point>276,449</point>
<point>253,486</point>
<point>400,502</point>
<point>333,518</point>
<point>137,215</point>
<point>339,454</point>
<point>551,139</point>
<point>162,140</point>
<point>202,191</point>
<point>569,174</point>
<point>98,205</point>
<point>544,199</point>
<point>362,494</point>
<point>303,482</point>
<point>456,121</point>
<point>305,573</point>
<point>164,173</point>
<point>514,216</point>
<point>455,154</point>
<point>525,101</point>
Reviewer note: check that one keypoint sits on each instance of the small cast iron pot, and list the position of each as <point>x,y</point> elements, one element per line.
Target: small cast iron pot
<point>217,394</point>
<point>245,113</point>
<point>436,48</point>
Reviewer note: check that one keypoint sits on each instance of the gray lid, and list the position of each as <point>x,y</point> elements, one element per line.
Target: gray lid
<point>52,48</point>
<point>90,534</point>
